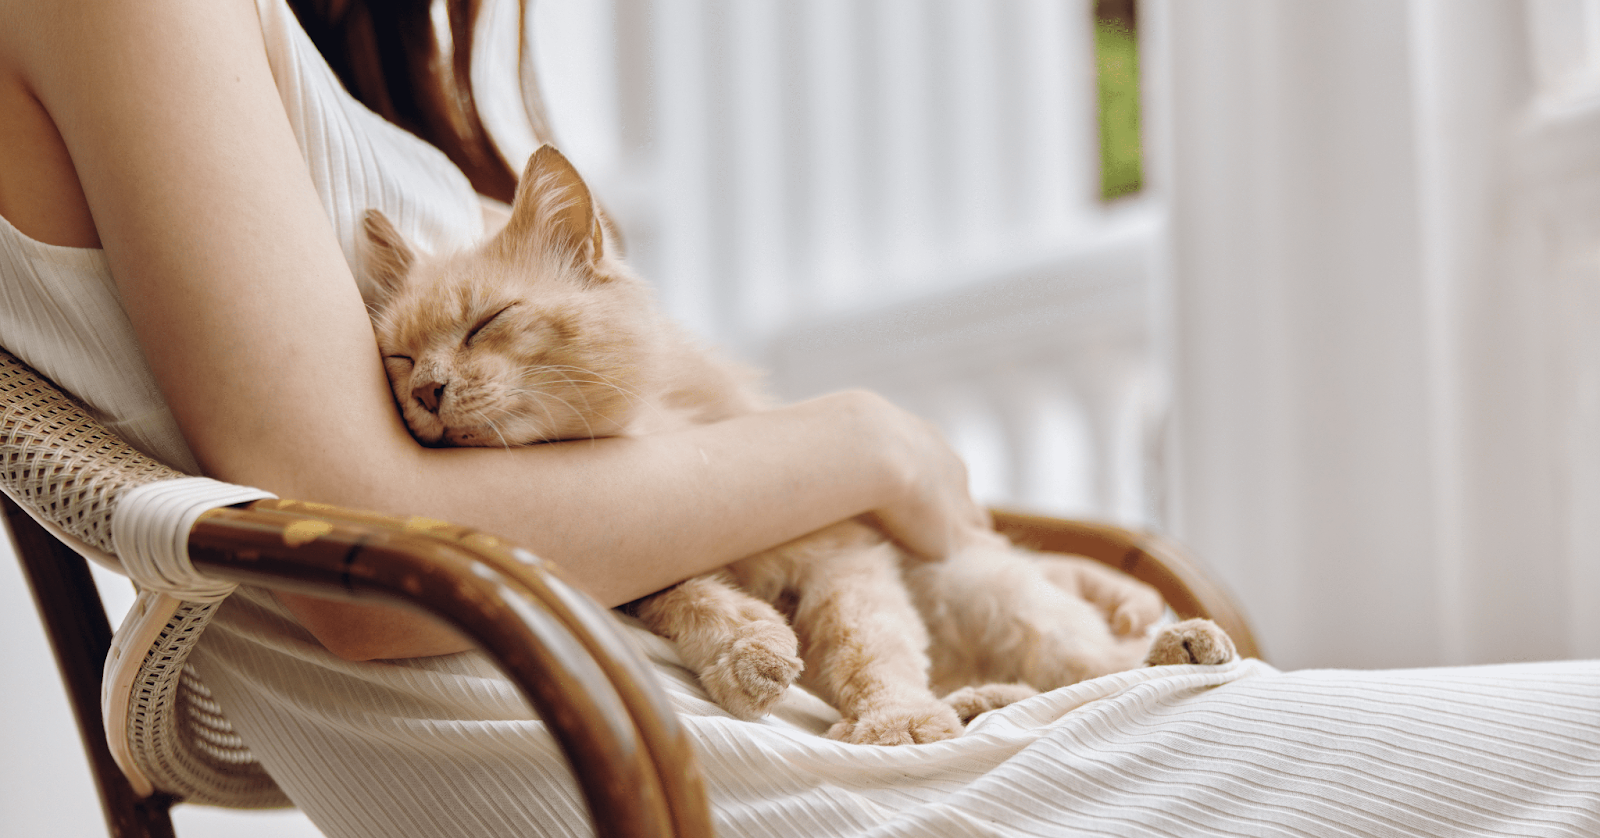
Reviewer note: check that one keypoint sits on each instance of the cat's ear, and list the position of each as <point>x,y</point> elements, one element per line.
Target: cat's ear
<point>387,257</point>
<point>553,207</point>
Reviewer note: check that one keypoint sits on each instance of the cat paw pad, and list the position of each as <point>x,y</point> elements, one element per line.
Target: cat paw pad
<point>755,671</point>
<point>1191,641</point>
<point>928,723</point>
<point>969,702</point>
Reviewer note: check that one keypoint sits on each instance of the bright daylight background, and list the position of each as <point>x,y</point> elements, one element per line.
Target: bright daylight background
<point>1340,335</point>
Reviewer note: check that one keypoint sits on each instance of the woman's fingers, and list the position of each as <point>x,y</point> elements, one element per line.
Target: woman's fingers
<point>932,514</point>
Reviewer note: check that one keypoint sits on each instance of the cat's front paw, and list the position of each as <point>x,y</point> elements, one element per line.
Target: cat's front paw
<point>970,702</point>
<point>924,723</point>
<point>1191,641</point>
<point>755,670</point>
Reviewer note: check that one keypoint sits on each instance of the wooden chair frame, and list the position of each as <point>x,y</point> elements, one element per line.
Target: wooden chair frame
<point>633,760</point>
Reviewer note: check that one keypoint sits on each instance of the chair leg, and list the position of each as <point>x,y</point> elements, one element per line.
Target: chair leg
<point>75,622</point>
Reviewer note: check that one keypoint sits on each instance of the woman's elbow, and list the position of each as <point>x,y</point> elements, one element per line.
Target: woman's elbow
<point>355,632</point>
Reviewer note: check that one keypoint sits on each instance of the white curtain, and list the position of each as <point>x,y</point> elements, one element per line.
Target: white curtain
<point>1384,319</point>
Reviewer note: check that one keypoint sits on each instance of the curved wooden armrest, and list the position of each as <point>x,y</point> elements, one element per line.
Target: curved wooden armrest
<point>632,758</point>
<point>1146,557</point>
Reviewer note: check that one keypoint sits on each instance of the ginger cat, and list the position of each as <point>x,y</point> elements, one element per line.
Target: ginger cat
<point>542,333</point>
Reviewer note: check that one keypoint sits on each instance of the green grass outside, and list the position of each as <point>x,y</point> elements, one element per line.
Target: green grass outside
<point>1117,60</point>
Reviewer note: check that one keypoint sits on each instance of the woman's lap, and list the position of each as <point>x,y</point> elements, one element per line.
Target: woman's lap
<point>443,747</point>
<point>1489,750</point>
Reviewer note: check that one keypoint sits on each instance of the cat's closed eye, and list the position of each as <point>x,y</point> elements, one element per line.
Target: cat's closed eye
<point>485,322</point>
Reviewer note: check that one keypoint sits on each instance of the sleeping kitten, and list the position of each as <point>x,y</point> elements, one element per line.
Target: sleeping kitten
<point>543,334</point>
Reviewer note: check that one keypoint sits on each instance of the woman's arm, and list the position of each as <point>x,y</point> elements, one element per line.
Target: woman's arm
<point>250,320</point>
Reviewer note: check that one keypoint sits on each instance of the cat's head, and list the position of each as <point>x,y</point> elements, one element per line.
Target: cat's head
<point>540,334</point>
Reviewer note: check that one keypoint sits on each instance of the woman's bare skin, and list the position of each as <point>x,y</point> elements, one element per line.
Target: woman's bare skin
<point>155,132</point>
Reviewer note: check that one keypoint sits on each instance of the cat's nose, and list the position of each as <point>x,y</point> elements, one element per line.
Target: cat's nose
<point>429,393</point>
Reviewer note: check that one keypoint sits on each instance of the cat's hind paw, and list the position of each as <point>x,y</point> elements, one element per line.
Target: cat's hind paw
<point>1191,641</point>
<point>970,702</point>
<point>930,722</point>
<point>755,671</point>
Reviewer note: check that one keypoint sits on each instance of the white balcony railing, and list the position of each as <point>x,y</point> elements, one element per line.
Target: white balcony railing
<point>899,194</point>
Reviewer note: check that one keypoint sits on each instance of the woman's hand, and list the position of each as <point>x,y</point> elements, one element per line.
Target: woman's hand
<point>929,508</point>
<point>235,283</point>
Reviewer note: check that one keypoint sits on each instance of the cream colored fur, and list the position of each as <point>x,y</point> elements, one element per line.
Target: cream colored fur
<point>544,334</point>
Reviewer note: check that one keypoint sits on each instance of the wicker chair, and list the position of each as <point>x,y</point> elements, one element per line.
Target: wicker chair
<point>152,733</point>
<point>65,475</point>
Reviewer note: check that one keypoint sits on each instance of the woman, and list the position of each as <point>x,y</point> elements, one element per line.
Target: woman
<point>204,147</point>
<point>164,142</point>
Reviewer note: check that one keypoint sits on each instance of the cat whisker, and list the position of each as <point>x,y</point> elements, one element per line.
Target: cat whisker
<point>566,372</point>
<point>587,407</point>
<point>538,395</point>
<point>492,426</point>
<point>500,406</point>
<point>588,427</point>
<point>605,381</point>
<point>600,378</point>
<point>505,409</point>
<point>550,418</point>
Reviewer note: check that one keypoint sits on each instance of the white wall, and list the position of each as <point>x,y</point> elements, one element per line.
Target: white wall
<point>1384,260</point>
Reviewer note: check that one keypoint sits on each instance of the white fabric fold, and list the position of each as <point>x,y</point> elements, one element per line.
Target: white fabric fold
<point>150,530</point>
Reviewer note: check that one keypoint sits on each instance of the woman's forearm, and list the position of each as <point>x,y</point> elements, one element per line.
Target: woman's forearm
<point>622,517</point>
<point>628,516</point>
<point>250,320</point>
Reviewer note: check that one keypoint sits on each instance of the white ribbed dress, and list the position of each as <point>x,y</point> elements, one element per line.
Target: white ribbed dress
<point>445,747</point>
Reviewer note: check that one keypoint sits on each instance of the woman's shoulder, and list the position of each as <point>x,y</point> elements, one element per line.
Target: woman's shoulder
<point>46,50</point>
<point>120,50</point>
<point>32,33</point>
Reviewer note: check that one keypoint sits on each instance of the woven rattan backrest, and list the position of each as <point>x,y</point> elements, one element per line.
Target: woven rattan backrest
<point>62,466</point>
<point>58,462</point>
